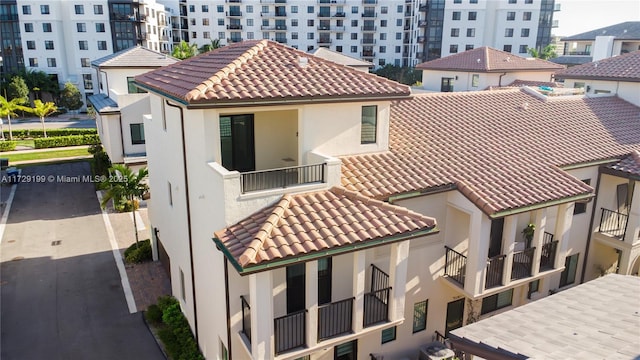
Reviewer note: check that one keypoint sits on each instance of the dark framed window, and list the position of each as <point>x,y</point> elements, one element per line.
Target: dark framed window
<point>508,32</point>
<point>28,27</point>
<point>388,335</point>
<point>133,89</point>
<point>455,32</point>
<point>534,287</point>
<point>506,48</point>
<point>137,134</point>
<point>581,208</point>
<point>471,32</point>
<point>102,45</point>
<point>420,316</point>
<point>468,47</point>
<point>453,49</point>
<point>369,124</point>
<point>81,27</point>
<point>324,280</point>
<point>33,62</point>
<point>456,15</point>
<point>99,27</point>
<point>523,49</point>
<point>568,275</point>
<point>26,9</point>
<point>97,9</point>
<point>473,15</point>
<point>83,45</point>
<point>31,45</point>
<point>51,62</point>
<point>524,33</point>
<point>497,301</point>
<point>46,27</point>
<point>44,9</point>
<point>79,9</point>
<point>48,44</point>
<point>511,15</point>
<point>526,16</point>
<point>346,351</point>
<point>88,82</point>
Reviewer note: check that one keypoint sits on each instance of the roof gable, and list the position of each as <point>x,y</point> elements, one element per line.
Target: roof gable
<point>486,59</point>
<point>265,71</point>
<point>135,57</point>
<point>623,67</point>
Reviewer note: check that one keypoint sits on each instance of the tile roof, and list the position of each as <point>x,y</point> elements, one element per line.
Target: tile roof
<point>530,83</point>
<point>623,68</point>
<point>595,320</point>
<point>103,104</point>
<point>629,30</point>
<point>265,71</point>
<point>312,222</point>
<point>629,165</point>
<point>486,59</point>
<point>340,58</point>
<point>135,57</point>
<point>572,59</point>
<point>501,149</point>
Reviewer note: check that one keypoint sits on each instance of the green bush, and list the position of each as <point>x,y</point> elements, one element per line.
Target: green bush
<point>179,343</point>
<point>61,141</point>
<point>165,301</point>
<point>153,314</point>
<point>101,161</point>
<point>7,145</point>
<point>38,133</point>
<point>138,253</point>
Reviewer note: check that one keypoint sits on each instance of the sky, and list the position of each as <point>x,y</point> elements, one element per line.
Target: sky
<point>578,16</point>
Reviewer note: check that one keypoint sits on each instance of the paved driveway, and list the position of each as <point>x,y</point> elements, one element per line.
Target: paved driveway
<point>61,296</point>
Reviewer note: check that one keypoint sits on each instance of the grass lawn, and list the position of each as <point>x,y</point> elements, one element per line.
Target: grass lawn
<point>43,155</point>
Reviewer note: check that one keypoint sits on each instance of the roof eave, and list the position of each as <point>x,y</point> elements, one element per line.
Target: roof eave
<point>302,101</point>
<point>494,70</point>
<point>541,205</point>
<point>592,77</point>
<point>619,173</point>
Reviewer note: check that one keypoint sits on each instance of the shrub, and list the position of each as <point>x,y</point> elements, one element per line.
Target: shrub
<point>7,145</point>
<point>61,141</point>
<point>101,161</point>
<point>165,301</point>
<point>38,133</point>
<point>138,253</point>
<point>154,314</point>
<point>180,344</point>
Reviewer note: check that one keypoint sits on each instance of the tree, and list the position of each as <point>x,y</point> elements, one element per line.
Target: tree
<point>40,82</point>
<point>124,184</point>
<point>403,75</point>
<point>215,44</point>
<point>18,89</point>
<point>548,52</point>
<point>8,109</point>
<point>43,110</point>
<point>70,97</point>
<point>184,50</point>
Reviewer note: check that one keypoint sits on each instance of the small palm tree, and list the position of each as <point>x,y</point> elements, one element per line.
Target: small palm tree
<point>124,184</point>
<point>184,50</point>
<point>43,110</point>
<point>8,109</point>
<point>215,44</point>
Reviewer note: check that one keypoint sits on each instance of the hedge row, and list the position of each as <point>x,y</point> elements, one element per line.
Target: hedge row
<point>35,133</point>
<point>61,141</point>
<point>174,332</point>
<point>7,145</point>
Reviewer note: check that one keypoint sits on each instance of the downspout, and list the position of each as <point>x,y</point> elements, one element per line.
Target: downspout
<point>121,136</point>
<point>593,215</point>
<point>186,191</point>
<point>228,306</point>
<point>500,79</point>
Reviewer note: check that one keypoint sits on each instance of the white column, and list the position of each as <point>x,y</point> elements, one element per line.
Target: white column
<point>561,232</point>
<point>359,275</point>
<point>624,264</point>
<point>261,302</point>
<point>633,221</point>
<point>509,233</point>
<point>538,236</point>
<point>311,298</point>
<point>479,231</point>
<point>398,264</point>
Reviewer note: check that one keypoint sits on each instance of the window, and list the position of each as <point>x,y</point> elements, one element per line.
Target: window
<point>496,302</point>
<point>221,35</point>
<point>534,287</point>
<point>85,62</point>
<point>456,15</point>
<point>383,36</point>
<point>453,49</point>
<point>294,22</point>
<point>183,293</point>
<point>44,9</point>
<point>81,27</point>
<point>455,32</point>
<point>513,1</point>
<point>369,124</point>
<point>33,62</point>
<point>339,48</point>
<point>97,9</point>
<point>457,1</point>
<point>468,47</point>
<point>88,83</point>
<point>472,15</point>
<point>207,35</point>
<point>383,49</point>
<point>475,80</point>
<point>388,334</point>
<point>192,21</point>
<point>220,21</point>
<point>384,10</point>
<point>524,33</point>
<point>580,208</point>
<point>294,36</point>
<point>473,1</point>
<point>399,10</point>
<point>100,27</point>
<point>523,49</point>
<point>249,22</point>
<point>309,9</point>
<point>381,62</point>
<point>399,22</point>
<point>420,316</point>
<point>339,36</point>
<point>31,45</point>
<point>383,23</point>
<point>511,15</point>
<point>46,27</point>
<point>249,9</point>
<point>83,45</point>
<point>28,27</point>
<point>354,9</point>
<point>48,44</point>
<point>526,16</point>
<point>102,45</point>
<point>508,32</point>
<point>471,32</point>
<point>398,49</point>
<point>568,275</point>
<point>51,62</point>
<point>506,48</point>
<point>205,8</point>
<point>528,1</point>
<point>26,9</point>
<point>354,36</point>
<point>132,88</point>
<point>192,8</point>
<point>310,36</point>
<point>137,133</point>
<point>79,9</point>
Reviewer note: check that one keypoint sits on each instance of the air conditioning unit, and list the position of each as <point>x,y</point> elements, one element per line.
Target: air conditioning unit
<point>435,351</point>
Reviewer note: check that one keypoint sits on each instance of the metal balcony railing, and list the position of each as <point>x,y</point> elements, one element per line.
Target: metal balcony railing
<point>376,307</point>
<point>335,319</point>
<point>290,331</point>
<point>587,53</point>
<point>455,265</point>
<point>522,263</point>
<point>548,254</point>
<point>283,177</point>
<point>613,223</point>
<point>495,269</point>
<point>246,318</point>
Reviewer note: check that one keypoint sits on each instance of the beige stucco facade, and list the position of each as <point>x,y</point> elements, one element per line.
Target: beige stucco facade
<point>474,81</point>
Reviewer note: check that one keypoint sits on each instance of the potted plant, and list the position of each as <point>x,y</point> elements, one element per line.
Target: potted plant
<point>527,232</point>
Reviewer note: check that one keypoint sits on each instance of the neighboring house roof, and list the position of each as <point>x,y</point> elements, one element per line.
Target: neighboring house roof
<point>340,58</point>
<point>597,319</point>
<point>316,223</point>
<point>486,59</point>
<point>135,57</point>
<point>521,83</point>
<point>618,68</point>
<point>629,30</point>
<point>571,60</point>
<point>629,166</point>
<point>265,71</point>
<point>103,104</point>
<point>501,149</point>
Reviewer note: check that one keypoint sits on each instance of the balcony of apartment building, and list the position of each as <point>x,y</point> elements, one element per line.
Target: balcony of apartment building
<point>578,48</point>
<point>234,13</point>
<point>234,27</point>
<point>368,54</point>
<point>629,46</point>
<point>369,14</point>
<point>325,27</point>
<point>322,303</point>
<point>370,2</point>
<point>332,2</point>
<point>324,39</point>
<point>233,1</point>
<point>339,14</point>
<point>235,37</point>
<point>422,23</point>
<point>368,41</point>
<point>369,26</point>
<point>273,1</point>
<point>492,255</point>
<point>324,13</point>
<point>423,7</point>
<point>280,12</point>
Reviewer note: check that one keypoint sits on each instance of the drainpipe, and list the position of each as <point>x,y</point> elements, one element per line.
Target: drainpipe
<point>500,79</point>
<point>593,215</point>
<point>228,306</point>
<point>186,191</point>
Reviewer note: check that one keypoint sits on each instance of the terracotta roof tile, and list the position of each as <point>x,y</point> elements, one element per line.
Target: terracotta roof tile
<point>629,165</point>
<point>486,59</point>
<point>501,149</point>
<point>269,234</point>
<point>264,71</point>
<point>624,67</point>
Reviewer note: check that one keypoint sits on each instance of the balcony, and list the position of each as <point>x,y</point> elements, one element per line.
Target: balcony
<point>522,264</point>
<point>370,2</point>
<point>339,14</point>
<point>368,28</point>
<point>234,40</point>
<point>613,223</point>
<point>548,252</point>
<point>281,40</point>
<point>331,28</point>
<point>422,23</point>
<point>368,41</point>
<point>234,27</point>
<point>290,331</point>
<point>495,269</point>
<point>335,319</point>
<point>423,7</point>
<point>376,302</point>
<point>234,1</point>
<point>273,1</point>
<point>332,2</point>
<point>367,54</point>
<point>324,14</point>
<point>324,41</point>
<point>234,13</point>
<point>276,14</point>
<point>421,39</point>
<point>455,266</point>
<point>369,14</point>
<point>583,53</point>
<point>283,177</point>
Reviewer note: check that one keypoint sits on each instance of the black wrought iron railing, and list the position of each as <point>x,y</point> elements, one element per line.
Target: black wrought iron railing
<point>246,318</point>
<point>376,307</point>
<point>613,223</point>
<point>455,265</point>
<point>495,269</point>
<point>283,177</point>
<point>290,331</point>
<point>522,262</point>
<point>548,255</point>
<point>379,279</point>
<point>335,319</point>
<point>547,238</point>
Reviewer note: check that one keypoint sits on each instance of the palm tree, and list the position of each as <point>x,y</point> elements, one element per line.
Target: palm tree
<point>8,108</point>
<point>215,44</point>
<point>124,184</point>
<point>43,110</point>
<point>184,50</point>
